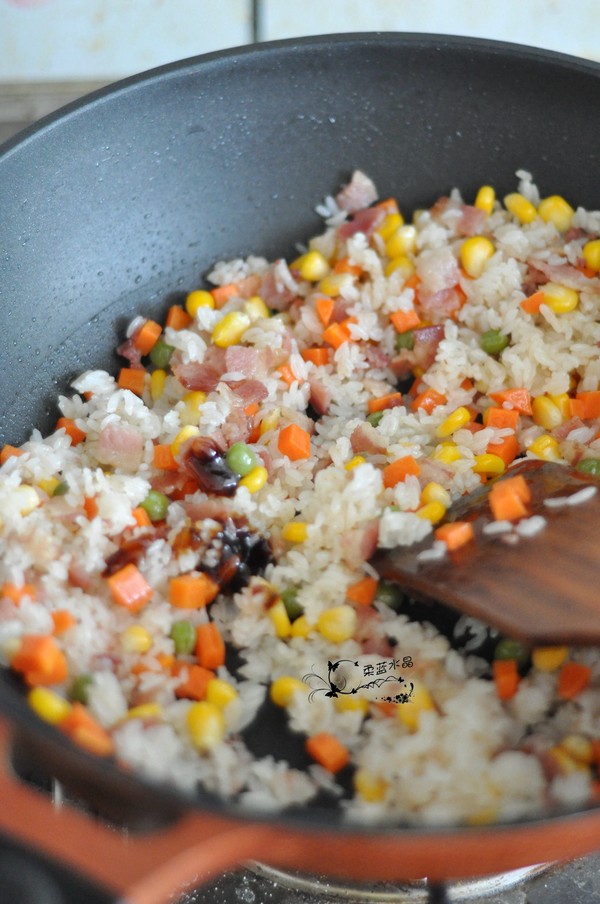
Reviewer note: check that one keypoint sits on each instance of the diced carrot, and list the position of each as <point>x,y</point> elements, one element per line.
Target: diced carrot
<point>317,355</point>
<point>177,318</point>
<point>573,678</point>
<point>324,309</point>
<point>454,533</point>
<point>428,400</point>
<point>531,305</point>
<point>188,487</point>
<point>142,518</point>
<point>251,409</point>
<point>399,470</point>
<point>84,730</point>
<point>405,320</point>
<point>327,751</point>
<point>337,333</point>
<point>90,507</point>
<point>294,442</point>
<point>514,398</point>
<point>16,592</point>
<point>587,271</point>
<point>63,620</point>
<point>287,375</point>
<point>192,591</point>
<point>390,400</point>
<point>506,678</point>
<point>509,498</point>
<point>71,429</point>
<point>466,384</point>
<point>9,451</point>
<point>222,294</point>
<point>362,592</point>
<point>388,205</point>
<point>163,457</point>
<point>344,266</point>
<point>129,588</point>
<point>210,646</point>
<point>591,403</point>
<point>461,300</point>
<point>412,282</point>
<point>596,752</point>
<point>132,378</point>
<point>193,687</point>
<point>577,408</point>
<point>147,336</point>
<point>501,417</point>
<point>507,449</point>
<point>40,660</point>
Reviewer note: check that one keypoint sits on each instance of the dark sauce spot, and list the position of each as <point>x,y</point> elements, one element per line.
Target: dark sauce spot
<point>244,554</point>
<point>205,462</point>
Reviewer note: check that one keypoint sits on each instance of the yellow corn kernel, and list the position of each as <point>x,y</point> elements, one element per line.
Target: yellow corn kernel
<point>474,253</point>
<point>48,485</point>
<point>369,786</point>
<point>565,762</point>
<point>557,211</point>
<point>446,453</point>
<point>333,285</point>
<point>145,711</point>
<point>350,703</point>
<point>402,263</point>
<point>311,266</point>
<point>402,241</point>
<point>25,498</point>
<point>283,689</point>
<point>230,329</point>
<point>487,463</point>
<point>158,378</point>
<point>578,747</point>
<point>560,299</point>
<point>432,511</point>
<point>485,198</point>
<point>280,619</point>
<point>337,624</point>
<point>198,299</point>
<point>301,627</point>
<point>485,816</point>
<point>220,692</point>
<point>269,422</point>
<point>187,432</point>
<point>545,447</point>
<point>545,413</point>
<point>419,702</point>
<point>591,254</point>
<point>390,224</point>
<point>136,639</point>
<point>435,492</point>
<point>256,309</point>
<point>255,480</point>
<point>520,207</point>
<point>48,705</point>
<point>548,659</point>
<point>295,531</point>
<point>354,462</point>
<point>563,403</point>
<point>460,417</point>
<point>190,410</point>
<point>205,725</point>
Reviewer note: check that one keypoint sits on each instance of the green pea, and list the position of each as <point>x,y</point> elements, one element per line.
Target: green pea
<point>375,418</point>
<point>161,353</point>
<point>80,688</point>
<point>155,505</point>
<point>183,635</point>
<point>507,648</point>
<point>405,340</point>
<point>241,459</point>
<point>493,342</point>
<point>589,466</point>
<point>390,594</point>
<point>289,598</point>
<point>61,488</point>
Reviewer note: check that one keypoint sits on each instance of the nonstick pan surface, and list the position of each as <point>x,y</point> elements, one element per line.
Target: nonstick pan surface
<point>120,202</point>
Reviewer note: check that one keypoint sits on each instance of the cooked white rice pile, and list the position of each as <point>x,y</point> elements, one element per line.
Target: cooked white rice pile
<point>455,752</point>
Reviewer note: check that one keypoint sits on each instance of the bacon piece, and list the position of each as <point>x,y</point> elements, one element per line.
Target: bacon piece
<point>237,427</point>
<point>441,305</point>
<point>365,438</point>
<point>360,192</point>
<point>565,274</point>
<point>203,375</point>
<point>249,391</point>
<point>121,446</point>
<point>241,359</point>
<point>422,355</point>
<point>437,269</point>
<point>365,221</point>
<point>320,396</point>
<point>129,351</point>
<point>203,506</point>
<point>359,544</point>
<point>471,220</point>
<point>276,287</point>
<point>376,356</point>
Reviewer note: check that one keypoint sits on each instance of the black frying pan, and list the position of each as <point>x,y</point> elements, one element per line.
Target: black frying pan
<point>124,199</point>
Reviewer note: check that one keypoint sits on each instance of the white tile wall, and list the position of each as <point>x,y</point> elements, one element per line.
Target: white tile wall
<point>98,40</point>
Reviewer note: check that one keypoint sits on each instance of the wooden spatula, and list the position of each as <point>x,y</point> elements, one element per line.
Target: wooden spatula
<point>543,589</point>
